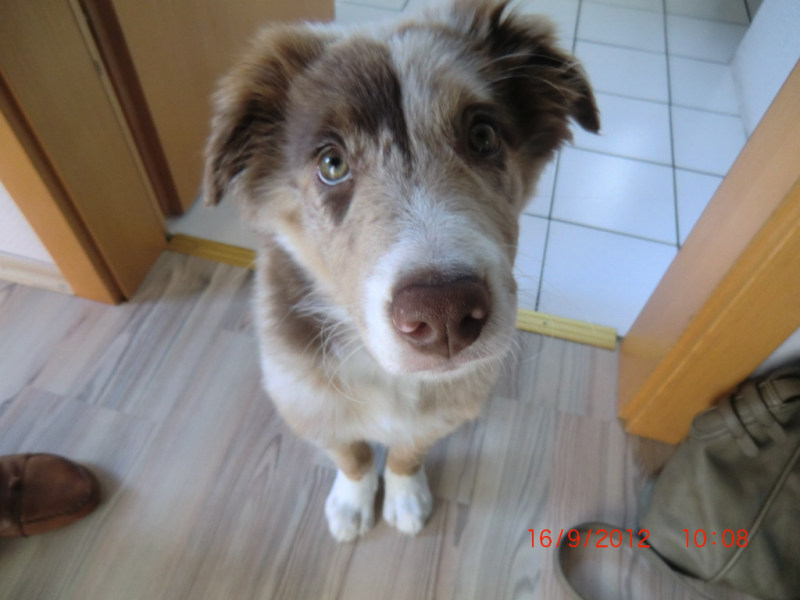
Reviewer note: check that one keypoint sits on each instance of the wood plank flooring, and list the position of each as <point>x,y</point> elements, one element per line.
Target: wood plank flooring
<point>209,496</point>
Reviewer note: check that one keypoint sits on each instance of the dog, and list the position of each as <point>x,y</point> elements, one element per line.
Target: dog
<point>384,171</point>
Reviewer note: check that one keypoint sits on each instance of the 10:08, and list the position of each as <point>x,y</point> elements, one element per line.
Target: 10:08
<point>727,538</point>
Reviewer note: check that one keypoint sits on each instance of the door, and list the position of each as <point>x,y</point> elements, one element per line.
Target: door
<point>105,109</point>
<point>68,162</point>
<point>732,294</point>
<point>179,50</point>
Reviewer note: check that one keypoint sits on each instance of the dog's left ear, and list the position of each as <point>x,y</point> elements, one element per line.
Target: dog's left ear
<point>542,84</point>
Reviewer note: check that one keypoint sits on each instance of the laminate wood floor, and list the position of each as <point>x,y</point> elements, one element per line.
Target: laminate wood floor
<point>209,496</point>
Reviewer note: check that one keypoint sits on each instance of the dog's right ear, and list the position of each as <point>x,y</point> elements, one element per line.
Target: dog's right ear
<point>250,107</point>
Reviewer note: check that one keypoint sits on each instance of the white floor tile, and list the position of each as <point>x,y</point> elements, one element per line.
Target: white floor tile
<point>528,267</point>
<point>539,203</point>
<point>623,195</point>
<point>705,141</point>
<point>624,71</point>
<point>357,14</point>
<point>621,26</point>
<point>700,38</point>
<point>730,11</point>
<point>654,5</point>
<point>701,84</point>
<point>220,224</point>
<point>600,277</point>
<point>630,128</point>
<point>694,190</point>
<point>564,14</point>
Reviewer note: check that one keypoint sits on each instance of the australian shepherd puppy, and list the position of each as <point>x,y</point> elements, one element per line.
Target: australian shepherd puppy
<point>385,170</point>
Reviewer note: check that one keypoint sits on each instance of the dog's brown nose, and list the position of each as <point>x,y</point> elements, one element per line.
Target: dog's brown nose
<point>441,318</point>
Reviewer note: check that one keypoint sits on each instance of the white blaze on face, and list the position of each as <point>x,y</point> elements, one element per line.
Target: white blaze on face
<point>442,236</point>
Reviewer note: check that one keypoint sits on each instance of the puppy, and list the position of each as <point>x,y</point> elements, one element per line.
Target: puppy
<point>385,170</point>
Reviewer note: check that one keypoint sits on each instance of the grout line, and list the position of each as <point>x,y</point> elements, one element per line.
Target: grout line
<point>706,110</point>
<point>549,220</point>
<point>627,7</point>
<point>706,19</point>
<point>667,103</point>
<point>654,52</point>
<point>623,156</point>
<point>707,60</point>
<point>621,46</point>
<point>646,161</point>
<point>696,172</point>
<point>672,138</point>
<point>626,97</point>
<point>699,172</point>
<point>634,236</point>
<point>575,29</point>
<point>555,178</point>
<point>700,60</point>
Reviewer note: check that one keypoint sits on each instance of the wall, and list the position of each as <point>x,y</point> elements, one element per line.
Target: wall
<point>23,257</point>
<point>789,352</point>
<point>16,235</point>
<point>766,55</point>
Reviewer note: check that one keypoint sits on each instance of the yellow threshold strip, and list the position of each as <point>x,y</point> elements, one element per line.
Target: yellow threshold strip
<point>217,251</point>
<point>527,320</point>
<point>567,329</point>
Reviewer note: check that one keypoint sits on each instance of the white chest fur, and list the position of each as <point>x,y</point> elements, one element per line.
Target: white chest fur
<point>350,398</point>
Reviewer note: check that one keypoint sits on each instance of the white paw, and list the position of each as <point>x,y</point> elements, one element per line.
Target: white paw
<point>408,502</point>
<point>350,507</point>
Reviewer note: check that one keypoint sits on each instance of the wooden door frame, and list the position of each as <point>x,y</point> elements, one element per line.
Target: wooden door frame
<point>43,199</point>
<point>732,294</point>
<point>82,155</point>
<point>109,40</point>
<point>68,159</point>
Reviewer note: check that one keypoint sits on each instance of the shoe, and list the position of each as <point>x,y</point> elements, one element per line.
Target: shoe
<point>42,492</point>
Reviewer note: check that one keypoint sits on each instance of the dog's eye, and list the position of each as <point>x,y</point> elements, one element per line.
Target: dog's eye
<point>332,166</point>
<point>483,139</point>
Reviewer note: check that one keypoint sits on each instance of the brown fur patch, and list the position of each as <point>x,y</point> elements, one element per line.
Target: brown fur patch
<point>405,461</point>
<point>352,89</point>
<point>251,104</point>
<point>289,286</point>
<point>354,460</point>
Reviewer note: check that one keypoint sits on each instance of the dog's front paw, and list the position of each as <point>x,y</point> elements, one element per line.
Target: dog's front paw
<point>350,507</point>
<point>408,502</point>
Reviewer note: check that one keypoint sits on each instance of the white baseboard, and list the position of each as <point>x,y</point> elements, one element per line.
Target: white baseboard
<point>27,271</point>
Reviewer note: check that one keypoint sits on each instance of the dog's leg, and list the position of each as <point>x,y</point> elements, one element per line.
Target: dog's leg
<point>407,503</point>
<point>350,507</point>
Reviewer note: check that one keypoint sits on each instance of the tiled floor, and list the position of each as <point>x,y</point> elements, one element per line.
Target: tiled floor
<point>611,212</point>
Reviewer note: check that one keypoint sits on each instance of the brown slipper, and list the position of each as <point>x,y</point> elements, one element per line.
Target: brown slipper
<point>42,492</point>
